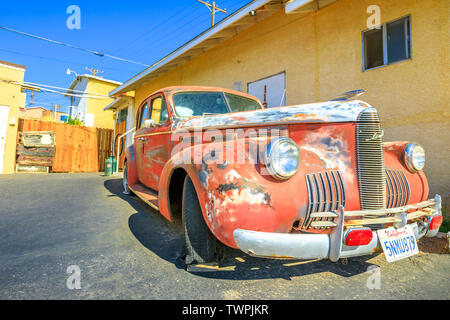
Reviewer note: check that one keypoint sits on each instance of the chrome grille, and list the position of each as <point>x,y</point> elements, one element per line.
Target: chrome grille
<point>326,193</point>
<point>397,187</point>
<point>371,171</point>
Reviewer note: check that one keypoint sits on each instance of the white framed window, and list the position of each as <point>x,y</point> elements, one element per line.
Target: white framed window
<point>271,91</point>
<point>390,43</point>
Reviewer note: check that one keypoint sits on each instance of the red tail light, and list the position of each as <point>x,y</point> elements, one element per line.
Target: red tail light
<point>358,237</point>
<point>435,222</point>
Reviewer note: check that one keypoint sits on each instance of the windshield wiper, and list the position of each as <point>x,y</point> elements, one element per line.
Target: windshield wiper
<point>209,114</point>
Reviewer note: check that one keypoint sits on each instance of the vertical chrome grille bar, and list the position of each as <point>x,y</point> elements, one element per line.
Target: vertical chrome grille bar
<point>317,191</point>
<point>390,190</point>
<point>398,190</point>
<point>395,190</point>
<point>342,188</point>
<point>370,160</point>
<point>330,192</point>
<point>336,190</point>
<point>326,192</point>
<point>310,202</point>
<point>407,188</point>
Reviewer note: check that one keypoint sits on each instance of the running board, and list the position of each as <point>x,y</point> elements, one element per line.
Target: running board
<point>148,196</point>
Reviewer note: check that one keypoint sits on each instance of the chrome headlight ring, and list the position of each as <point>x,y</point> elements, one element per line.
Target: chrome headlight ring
<point>414,157</point>
<point>282,158</point>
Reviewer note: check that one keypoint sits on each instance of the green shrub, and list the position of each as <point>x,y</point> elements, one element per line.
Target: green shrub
<point>75,122</point>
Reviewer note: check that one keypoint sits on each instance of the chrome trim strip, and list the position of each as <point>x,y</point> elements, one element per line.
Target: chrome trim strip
<point>153,134</point>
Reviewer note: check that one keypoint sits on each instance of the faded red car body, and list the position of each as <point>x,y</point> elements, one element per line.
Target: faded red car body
<point>238,195</point>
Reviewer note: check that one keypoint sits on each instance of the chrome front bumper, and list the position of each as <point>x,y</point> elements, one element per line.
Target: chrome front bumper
<point>331,246</point>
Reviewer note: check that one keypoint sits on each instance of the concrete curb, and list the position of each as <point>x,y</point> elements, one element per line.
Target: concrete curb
<point>442,235</point>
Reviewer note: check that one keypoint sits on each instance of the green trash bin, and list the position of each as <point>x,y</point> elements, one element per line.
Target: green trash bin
<point>108,166</point>
<point>114,163</point>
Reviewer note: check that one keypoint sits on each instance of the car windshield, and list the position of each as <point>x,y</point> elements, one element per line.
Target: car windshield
<point>191,104</point>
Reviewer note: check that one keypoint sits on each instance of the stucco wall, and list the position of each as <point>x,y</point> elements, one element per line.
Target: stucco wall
<point>102,119</point>
<point>322,55</point>
<point>11,96</point>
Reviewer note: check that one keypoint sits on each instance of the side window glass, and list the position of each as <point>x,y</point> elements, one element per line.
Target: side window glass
<point>144,115</point>
<point>159,110</point>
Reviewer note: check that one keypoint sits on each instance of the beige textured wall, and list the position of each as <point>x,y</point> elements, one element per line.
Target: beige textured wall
<point>11,96</point>
<point>102,118</point>
<point>322,56</point>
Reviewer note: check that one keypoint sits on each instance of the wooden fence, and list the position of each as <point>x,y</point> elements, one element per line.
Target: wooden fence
<point>78,148</point>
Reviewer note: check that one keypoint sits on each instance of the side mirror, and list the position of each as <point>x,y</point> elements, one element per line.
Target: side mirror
<point>149,123</point>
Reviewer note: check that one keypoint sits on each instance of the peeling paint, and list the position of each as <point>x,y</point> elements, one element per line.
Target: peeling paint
<point>317,112</point>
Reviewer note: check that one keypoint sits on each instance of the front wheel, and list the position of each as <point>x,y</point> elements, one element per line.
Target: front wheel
<point>200,243</point>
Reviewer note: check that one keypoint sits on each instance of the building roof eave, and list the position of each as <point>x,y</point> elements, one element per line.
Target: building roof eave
<point>118,102</point>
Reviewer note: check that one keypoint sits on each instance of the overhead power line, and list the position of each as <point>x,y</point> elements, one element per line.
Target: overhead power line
<point>173,37</point>
<point>161,24</point>
<point>41,87</point>
<point>97,53</point>
<point>66,89</point>
<point>56,60</point>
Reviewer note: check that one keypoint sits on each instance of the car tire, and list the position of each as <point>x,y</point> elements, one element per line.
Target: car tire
<point>200,243</point>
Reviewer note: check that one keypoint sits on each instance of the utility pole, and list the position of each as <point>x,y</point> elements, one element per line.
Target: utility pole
<point>31,89</point>
<point>93,71</point>
<point>55,106</point>
<point>213,8</point>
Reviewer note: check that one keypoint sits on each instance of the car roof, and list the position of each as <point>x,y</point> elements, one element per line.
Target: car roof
<point>178,89</point>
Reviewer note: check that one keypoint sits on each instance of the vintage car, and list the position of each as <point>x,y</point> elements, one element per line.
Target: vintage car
<point>313,181</point>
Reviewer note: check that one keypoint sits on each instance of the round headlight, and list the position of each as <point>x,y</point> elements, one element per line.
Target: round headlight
<point>414,157</point>
<point>282,158</point>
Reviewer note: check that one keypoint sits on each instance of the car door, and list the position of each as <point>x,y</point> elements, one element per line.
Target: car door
<point>156,140</point>
<point>139,139</point>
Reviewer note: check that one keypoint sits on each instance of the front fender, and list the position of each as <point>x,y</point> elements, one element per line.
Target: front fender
<point>239,194</point>
<point>394,153</point>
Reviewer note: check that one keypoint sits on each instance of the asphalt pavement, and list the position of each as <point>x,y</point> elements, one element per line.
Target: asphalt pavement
<point>76,236</point>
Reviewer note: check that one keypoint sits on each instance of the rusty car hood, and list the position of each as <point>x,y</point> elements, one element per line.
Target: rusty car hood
<point>331,111</point>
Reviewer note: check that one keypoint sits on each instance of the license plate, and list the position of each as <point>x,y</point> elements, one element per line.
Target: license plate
<point>398,243</point>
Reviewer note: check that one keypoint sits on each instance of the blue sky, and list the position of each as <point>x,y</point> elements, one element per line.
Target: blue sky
<point>142,31</point>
